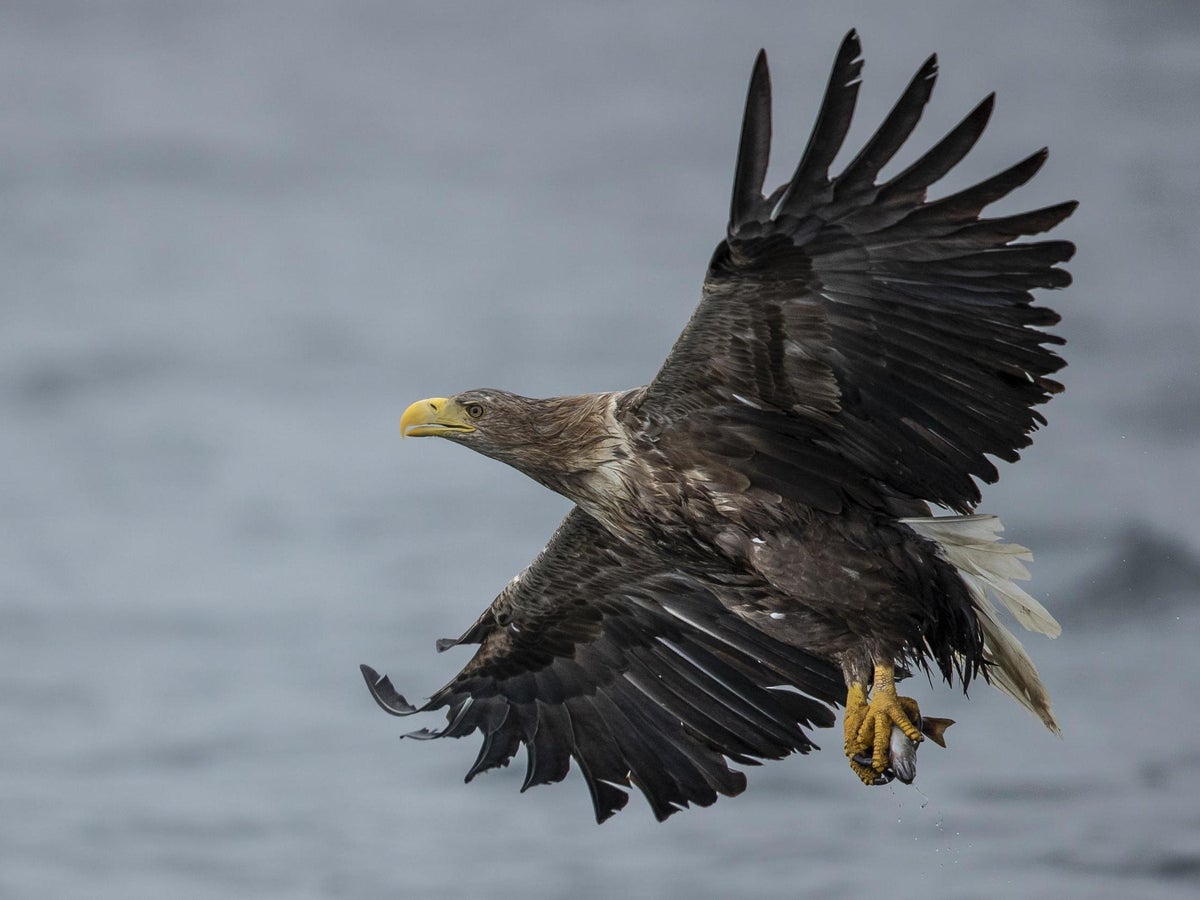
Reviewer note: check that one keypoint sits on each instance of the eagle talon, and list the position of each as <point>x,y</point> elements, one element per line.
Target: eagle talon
<point>859,718</point>
<point>875,733</point>
<point>875,720</point>
<point>861,766</point>
<point>856,714</point>
<point>865,760</point>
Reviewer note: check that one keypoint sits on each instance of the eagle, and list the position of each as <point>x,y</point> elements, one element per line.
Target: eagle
<point>753,541</point>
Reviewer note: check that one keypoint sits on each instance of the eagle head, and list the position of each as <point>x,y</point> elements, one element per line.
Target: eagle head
<point>549,439</point>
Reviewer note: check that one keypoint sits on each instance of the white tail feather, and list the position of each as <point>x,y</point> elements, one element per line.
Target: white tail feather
<point>972,545</point>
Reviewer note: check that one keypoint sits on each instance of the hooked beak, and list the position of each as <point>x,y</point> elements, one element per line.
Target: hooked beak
<point>433,417</point>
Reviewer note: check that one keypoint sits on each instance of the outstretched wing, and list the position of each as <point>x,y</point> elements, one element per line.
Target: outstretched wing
<point>853,336</point>
<point>602,653</point>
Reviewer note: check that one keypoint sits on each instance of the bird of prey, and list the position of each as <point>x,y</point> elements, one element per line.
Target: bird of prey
<point>752,541</point>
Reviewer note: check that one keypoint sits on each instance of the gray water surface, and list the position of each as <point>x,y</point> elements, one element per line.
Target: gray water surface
<point>238,239</point>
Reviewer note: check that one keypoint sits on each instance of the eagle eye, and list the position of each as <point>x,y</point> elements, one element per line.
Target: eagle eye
<point>474,410</point>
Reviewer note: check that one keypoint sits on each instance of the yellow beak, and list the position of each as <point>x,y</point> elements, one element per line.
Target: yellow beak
<point>432,417</point>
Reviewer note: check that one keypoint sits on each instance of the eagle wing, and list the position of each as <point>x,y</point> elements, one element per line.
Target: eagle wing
<point>854,338</point>
<point>603,653</point>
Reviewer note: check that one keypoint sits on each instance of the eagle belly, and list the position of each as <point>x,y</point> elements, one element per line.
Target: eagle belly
<point>857,581</point>
<point>851,585</point>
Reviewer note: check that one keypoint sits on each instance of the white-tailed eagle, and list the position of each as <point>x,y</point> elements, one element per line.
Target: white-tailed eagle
<point>752,543</point>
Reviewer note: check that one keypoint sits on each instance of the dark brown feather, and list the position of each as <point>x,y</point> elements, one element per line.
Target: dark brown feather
<point>858,351</point>
<point>597,637</point>
<point>896,339</point>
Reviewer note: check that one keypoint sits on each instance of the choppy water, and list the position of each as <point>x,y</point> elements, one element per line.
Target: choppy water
<point>237,239</point>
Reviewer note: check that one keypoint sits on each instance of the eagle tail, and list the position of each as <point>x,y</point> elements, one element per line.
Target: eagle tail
<point>987,565</point>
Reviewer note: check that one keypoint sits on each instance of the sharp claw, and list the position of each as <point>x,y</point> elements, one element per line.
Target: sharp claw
<point>861,765</point>
<point>882,734</point>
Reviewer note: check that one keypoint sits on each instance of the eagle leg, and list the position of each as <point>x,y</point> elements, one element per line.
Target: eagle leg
<point>868,725</point>
<point>856,715</point>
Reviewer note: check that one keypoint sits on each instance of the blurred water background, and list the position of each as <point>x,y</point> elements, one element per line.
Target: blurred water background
<point>237,239</point>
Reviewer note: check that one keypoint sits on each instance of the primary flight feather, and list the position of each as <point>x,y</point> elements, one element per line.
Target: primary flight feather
<point>752,541</point>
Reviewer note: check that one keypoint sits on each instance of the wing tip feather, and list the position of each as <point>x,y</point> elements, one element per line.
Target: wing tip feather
<point>754,144</point>
<point>385,694</point>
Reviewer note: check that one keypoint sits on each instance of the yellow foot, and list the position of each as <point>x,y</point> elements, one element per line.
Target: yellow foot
<point>874,731</point>
<point>857,709</point>
<point>866,774</point>
<point>885,710</point>
<point>856,713</point>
